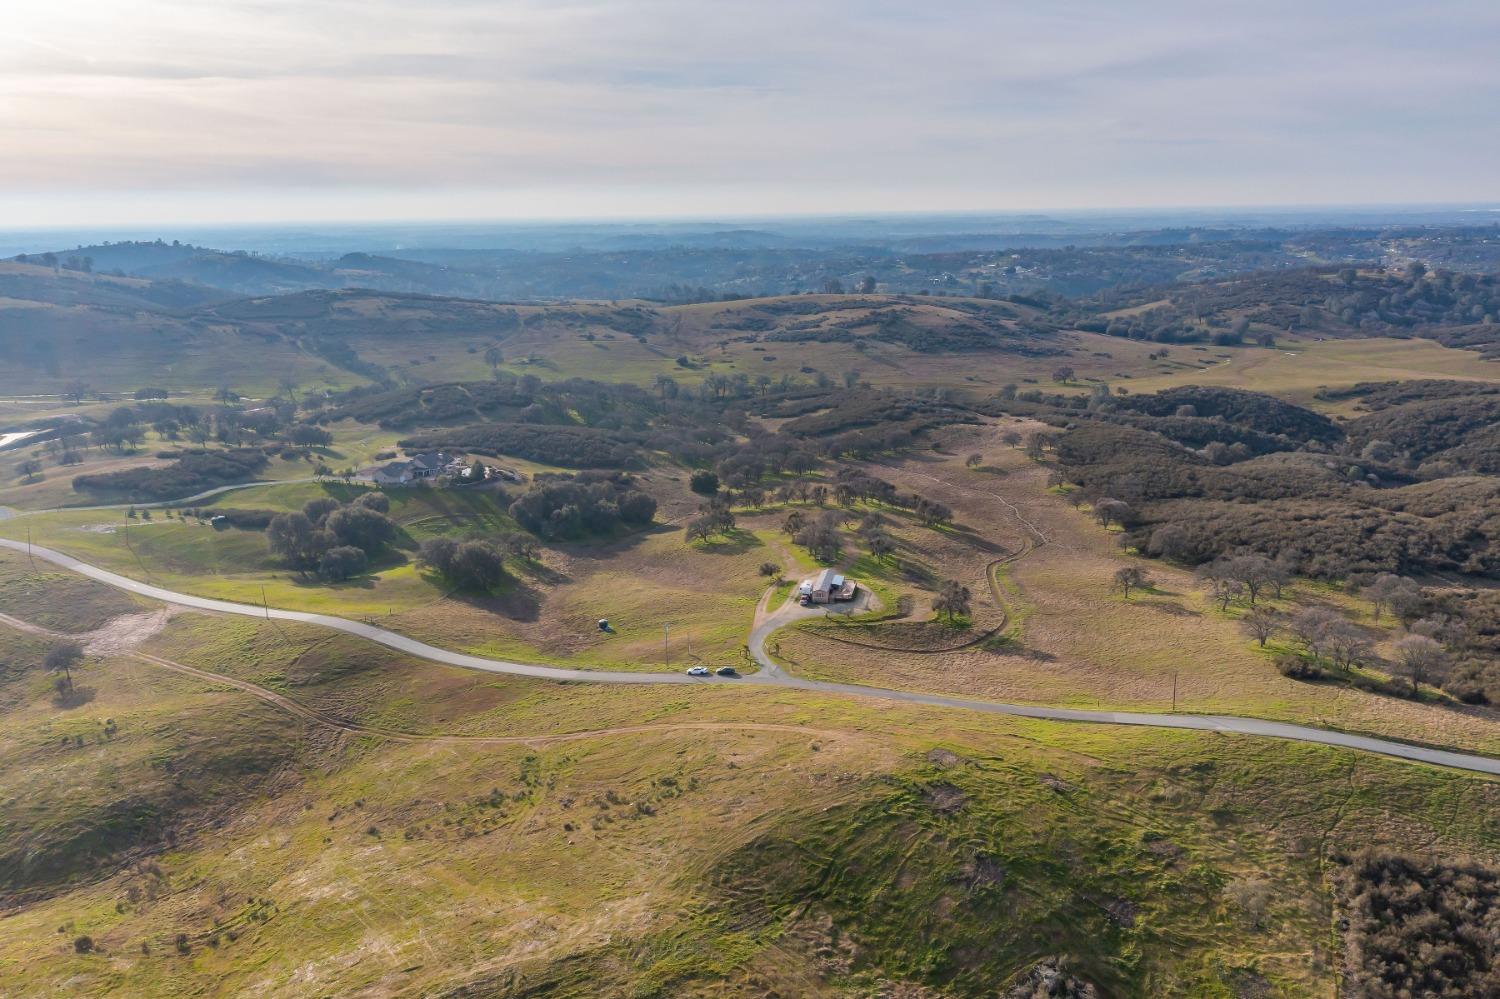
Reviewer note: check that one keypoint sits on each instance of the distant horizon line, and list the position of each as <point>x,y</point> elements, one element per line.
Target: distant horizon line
<point>698,218</point>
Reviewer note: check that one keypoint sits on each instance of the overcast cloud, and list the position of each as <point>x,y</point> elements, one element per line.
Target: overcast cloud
<point>220,110</point>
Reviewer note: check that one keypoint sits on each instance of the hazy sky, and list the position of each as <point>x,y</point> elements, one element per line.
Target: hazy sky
<point>235,110</point>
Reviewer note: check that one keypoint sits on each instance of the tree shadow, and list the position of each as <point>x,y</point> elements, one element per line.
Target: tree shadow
<point>1009,645</point>
<point>735,542</point>
<point>518,602</point>
<point>979,541</point>
<point>541,572</point>
<point>1171,607</point>
<point>74,698</point>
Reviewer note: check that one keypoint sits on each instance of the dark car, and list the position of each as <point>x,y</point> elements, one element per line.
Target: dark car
<point>726,671</point>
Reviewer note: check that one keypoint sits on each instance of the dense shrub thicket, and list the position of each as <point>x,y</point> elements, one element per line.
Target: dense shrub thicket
<point>189,474</point>
<point>1462,431</point>
<point>1474,676</point>
<point>571,447</point>
<point>1420,927</point>
<point>505,398</point>
<point>1459,310</point>
<point>1332,514</point>
<point>1254,411</point>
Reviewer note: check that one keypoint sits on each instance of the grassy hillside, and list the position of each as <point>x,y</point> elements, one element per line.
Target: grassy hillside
<point>838,855</point>
<point>232,805</point>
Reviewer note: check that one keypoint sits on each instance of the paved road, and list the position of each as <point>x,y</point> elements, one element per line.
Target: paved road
<point>7,512</point>
<point>774,677</point>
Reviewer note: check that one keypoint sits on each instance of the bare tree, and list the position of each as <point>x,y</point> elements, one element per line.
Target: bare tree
<point>1109,511</point>
<point>1419,659</point>
<point>1254,571</point>
<point>1310,628</point>
<point>1223,590</point>
<point>1127,578</point>
<point>1261,624</point>
<point>1347,644</point>
<point>1062,374</point>
<point>1399,595</point>
<point>1170,541</point>
<point>974,460</point>
<point>75,390</point>
<point>880,544</point>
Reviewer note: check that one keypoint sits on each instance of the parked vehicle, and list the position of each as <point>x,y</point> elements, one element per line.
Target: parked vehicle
<point>726,671</point>
<point>698,671</point>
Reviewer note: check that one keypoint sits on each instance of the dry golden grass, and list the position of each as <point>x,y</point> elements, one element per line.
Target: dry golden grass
<point>1078,643</point>
<point>1300,366</point>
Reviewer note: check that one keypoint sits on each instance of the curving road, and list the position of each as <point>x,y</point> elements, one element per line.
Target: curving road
<point>7,512</point>
<point>773,676</point>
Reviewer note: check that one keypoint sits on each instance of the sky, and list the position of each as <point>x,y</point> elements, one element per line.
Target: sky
<point>210,111</point>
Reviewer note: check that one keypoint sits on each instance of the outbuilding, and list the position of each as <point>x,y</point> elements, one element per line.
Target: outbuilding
<point>824,587</point>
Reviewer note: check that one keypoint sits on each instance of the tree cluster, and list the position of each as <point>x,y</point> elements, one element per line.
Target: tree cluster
<point>333,539</point>
<point>189,474</point>
<point>565,507</point>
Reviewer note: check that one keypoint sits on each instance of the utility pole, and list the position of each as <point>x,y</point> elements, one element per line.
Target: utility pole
<point>666,656</point>
<point>1174,691</point>
<point>28,549</point>
<point>263,601</point>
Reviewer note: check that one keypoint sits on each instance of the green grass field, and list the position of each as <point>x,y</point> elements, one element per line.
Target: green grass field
<point>704,595</point>
<point>823,858</point>
<point>1300,366</point>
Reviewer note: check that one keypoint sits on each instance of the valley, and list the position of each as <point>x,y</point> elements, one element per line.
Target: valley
<point>1133,692</point>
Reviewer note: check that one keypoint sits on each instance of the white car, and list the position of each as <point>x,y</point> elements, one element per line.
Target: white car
<point>698,671</point>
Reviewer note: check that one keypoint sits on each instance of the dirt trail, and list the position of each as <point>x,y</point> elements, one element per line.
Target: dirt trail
<point>118,635</point>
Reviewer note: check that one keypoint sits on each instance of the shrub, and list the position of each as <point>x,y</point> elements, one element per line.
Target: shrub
<point>189,474</point>
<point>1420,927</point>
<point>704,482</point>
<point>1298,668</point>
<point>305,435</point>
<point>374,500</point>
